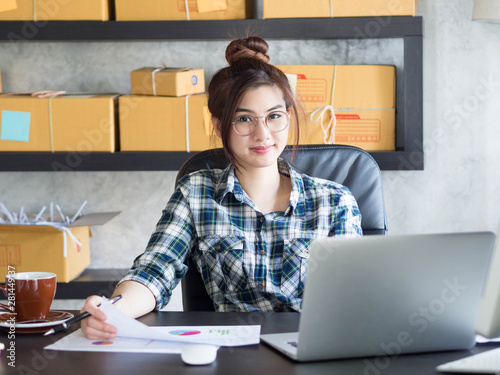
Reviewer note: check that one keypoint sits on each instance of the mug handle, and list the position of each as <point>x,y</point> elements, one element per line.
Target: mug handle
<point>10,309</point>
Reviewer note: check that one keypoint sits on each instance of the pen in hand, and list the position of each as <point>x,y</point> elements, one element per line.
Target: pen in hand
<point>64,325</point>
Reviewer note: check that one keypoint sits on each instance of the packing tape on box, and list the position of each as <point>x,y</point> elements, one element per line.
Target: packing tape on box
<point>186,5</point>
<point>153,78</point>
<point>50,95</point>
<point>329,130</point>
<point>186,107</point>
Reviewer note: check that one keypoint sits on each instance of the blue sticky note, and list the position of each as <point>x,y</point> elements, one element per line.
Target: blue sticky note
<point>15,126</point>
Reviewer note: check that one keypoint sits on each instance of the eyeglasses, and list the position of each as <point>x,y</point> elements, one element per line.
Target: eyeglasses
<point>275,121</point>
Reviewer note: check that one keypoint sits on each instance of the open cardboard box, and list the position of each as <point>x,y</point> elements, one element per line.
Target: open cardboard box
<point>46,248</point>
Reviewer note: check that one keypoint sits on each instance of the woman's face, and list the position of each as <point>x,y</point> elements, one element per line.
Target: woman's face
<point>262,148</point>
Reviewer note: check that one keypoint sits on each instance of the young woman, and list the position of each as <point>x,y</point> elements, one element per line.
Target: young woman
<point>248,227</point>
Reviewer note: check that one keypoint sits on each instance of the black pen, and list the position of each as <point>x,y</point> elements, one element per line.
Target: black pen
<point>64,325</point>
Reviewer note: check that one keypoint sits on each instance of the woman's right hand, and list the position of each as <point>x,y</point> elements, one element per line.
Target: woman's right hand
<point>94,327</point>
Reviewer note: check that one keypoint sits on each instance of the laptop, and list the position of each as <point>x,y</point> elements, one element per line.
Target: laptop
<point>389,295</point>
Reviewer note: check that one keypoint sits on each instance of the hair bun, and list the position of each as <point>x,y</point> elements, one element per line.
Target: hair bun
<point>251,47</point>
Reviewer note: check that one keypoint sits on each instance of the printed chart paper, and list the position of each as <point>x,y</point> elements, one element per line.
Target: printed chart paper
<point>134,336</point>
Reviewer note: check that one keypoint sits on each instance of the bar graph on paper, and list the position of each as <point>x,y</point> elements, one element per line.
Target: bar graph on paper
<point>221,332</point>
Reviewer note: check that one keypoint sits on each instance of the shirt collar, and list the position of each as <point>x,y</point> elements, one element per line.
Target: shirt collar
<point>228,183</point>
<point>297,201</point>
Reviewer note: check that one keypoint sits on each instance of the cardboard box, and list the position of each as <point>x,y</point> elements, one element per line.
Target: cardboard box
<point>167,81</point>
<point>59,123</point>
<point>24,123</point>
<point>53,10</point>
<point>160,123</point>
<point>157,10</point>
<point>45,248</point>
<point>337,8</point>
<point>363,98</point>
<point>92,119</point>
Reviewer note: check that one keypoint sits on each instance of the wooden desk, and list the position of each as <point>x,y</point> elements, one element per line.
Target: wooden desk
<point>31,358</point>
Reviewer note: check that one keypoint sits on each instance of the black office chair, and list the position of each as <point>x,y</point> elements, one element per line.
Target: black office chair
<point>347,165</point>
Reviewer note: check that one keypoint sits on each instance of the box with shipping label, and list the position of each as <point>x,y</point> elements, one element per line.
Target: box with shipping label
<point>58,123</point>
<point>160,123</point>
<point>157,10</point>
<point>337,8</point>
<point>45,248</point>
<point>167,81</point>
<point>361,97</point>
<point>58,10</point>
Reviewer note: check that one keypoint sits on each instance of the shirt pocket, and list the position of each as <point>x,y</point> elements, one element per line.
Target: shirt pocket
<point>223,257</point>
<point>294,266</point>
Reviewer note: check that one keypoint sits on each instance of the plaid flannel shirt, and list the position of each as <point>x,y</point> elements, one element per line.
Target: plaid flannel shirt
<point>248,261</point>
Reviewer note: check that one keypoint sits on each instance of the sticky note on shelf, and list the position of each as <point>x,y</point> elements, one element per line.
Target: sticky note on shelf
<point>15,126</point>
<point>8,5</point>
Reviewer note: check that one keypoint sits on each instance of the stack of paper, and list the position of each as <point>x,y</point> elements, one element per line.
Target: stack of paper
<point>133,336</point>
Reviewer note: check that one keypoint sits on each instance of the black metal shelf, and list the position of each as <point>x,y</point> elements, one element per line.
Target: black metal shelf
<point>409,113</point>
<point>300,28</point>
<point>146,161</point>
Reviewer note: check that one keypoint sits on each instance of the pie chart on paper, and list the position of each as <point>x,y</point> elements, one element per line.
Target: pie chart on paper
<point>185,332</point>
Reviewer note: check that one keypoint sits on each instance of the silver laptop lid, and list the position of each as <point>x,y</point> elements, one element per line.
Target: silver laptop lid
<point>391,295</point>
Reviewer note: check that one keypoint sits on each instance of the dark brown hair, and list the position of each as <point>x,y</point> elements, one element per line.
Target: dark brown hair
<point>248,68</point>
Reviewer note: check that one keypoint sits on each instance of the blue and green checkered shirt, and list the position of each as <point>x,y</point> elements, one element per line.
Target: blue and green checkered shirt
<point>248,261</point>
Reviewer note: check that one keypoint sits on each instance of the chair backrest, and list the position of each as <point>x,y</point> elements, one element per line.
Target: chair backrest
<point>347,165</point>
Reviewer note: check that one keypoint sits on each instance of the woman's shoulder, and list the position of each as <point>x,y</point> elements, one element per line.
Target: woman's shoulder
<point>206,177</point>
<point>316,183</point>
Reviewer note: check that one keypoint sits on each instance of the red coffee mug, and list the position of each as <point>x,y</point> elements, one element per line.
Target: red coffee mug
<point>29,294</point>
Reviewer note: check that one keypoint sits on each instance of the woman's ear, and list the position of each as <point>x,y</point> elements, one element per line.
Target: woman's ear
<point>216,126</point>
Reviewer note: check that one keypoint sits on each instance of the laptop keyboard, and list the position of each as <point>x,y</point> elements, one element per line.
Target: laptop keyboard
<point>485,363</point>
<point>293,343</point>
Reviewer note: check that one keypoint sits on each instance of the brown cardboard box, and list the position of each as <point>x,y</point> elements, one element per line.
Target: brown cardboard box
<point>45,248</point>
<point>156,10</point>
<point>167,81</point>
<point>52,10</point>
<point>59,123</point>
<point>338,8</point>
<point>24,123</point>
<point>363,102</point>
<point>92,120</point>
<point>158,123</point>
